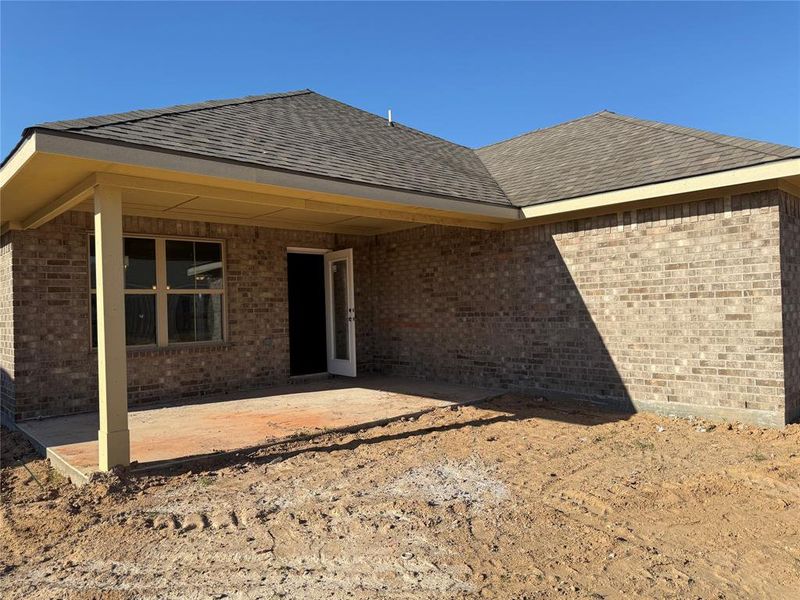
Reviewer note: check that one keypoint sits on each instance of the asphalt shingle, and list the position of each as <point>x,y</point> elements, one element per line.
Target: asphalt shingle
<point>309,133</point>
<point>304,132</point>
<point>605,151</point>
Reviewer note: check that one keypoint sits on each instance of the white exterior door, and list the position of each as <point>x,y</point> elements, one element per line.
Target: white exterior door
<point>340,312</point>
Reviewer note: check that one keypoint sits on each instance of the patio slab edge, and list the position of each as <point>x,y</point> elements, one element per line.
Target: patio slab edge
<point>58,462</point>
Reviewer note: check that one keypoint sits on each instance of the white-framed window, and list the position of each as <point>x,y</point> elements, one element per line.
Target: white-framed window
<point>174,291</point>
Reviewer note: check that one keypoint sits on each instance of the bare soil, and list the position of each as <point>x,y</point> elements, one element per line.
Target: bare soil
<point>513,498</point>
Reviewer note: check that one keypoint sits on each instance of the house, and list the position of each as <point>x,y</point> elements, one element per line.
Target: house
<point>215,247</point>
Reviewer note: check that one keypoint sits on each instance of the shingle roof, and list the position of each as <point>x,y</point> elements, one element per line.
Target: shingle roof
<point>305,132</point>
<point>606,151</point>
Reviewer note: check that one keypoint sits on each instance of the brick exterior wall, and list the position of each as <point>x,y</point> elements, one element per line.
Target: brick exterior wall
<point>676,309</point>
<point>790,275</point>
<point>7,405</point>
<point>681,309</point>
<point>56,368</point>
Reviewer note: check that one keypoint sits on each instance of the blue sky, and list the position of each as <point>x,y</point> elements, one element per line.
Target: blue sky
<point>473,73</point>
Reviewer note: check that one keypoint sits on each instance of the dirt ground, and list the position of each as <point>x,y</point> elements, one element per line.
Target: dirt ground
<point>513,498</point>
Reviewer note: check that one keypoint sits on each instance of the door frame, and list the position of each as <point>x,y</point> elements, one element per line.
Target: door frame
<point>337,366</point>
<point>299,250</point>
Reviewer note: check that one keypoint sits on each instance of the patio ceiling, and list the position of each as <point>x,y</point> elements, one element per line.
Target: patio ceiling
<point>283,212</point>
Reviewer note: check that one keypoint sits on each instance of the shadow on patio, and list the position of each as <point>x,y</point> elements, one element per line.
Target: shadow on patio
<point>164,435</point>
<point>510,406</point>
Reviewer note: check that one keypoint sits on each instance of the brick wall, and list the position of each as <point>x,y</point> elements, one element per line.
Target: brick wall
<point>790,272</point>
<point>6,328</point>
<point>675,309</point>
<point>56,369</point>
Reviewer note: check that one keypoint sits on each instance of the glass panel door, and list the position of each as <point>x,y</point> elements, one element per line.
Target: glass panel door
<point>341,350</point>
<point>340,312</point>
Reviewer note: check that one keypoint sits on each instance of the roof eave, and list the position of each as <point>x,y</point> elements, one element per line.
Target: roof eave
<point>89,147</point>
<point>19,155</point>
<point>773,170</point>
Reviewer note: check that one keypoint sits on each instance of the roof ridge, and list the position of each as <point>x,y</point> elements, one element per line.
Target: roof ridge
<point>538,129</point>
<point>171,110</point>
<point>691,132</point>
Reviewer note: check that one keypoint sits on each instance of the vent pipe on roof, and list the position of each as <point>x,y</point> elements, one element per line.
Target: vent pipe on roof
<point>391,123</point>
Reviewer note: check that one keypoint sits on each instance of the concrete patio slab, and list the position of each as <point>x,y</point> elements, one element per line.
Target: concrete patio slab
<point>178,432</point>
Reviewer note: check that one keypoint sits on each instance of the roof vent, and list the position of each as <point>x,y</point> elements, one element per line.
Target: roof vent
<point>389,119</point>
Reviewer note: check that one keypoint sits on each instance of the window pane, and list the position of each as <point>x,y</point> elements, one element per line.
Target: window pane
<point>140,319</point>
<point>341,340</point>
<point>180,260</point>
<point>140,263</point>
<point>208,317</point>
<point>194,317</point>
<point>180,312</point>
<point>208,265</point>
<point>193,265</point>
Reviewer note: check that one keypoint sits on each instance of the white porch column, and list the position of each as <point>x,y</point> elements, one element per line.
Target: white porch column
<point>113,437</point>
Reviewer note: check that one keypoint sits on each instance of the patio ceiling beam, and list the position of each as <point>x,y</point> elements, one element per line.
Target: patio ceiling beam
<point>113,436</point>
<point>261,199</point>
<point>66,201</point>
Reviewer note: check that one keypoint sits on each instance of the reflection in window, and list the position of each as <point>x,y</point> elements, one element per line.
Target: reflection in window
<point>340,313</point>
<point>139,262</point>
<point>140,319</point>
<point>194,317</point>
<point>194,265</point>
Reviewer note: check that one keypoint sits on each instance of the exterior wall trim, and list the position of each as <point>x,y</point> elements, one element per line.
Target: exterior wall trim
<point>297,250</point>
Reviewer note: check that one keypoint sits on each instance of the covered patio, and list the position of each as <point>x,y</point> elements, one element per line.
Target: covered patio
<point>179,432</point>
<point>139,318</point>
